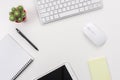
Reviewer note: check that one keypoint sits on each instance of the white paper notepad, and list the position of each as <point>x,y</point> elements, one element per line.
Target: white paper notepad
<point>13,58</point>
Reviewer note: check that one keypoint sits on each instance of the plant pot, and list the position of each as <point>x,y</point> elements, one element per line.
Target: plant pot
<point>23,19</point>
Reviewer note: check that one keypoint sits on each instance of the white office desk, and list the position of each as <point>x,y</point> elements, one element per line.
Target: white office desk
<point>63,41</point>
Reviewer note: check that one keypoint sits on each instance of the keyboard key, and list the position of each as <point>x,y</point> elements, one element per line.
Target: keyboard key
<point>46,5</point>
<point>60,5</point>
<point>72,7</point>
<point>64,4</point>
<point>73,2</point>
<point>43,19</point>
<point>47,18</point>
<point>48,9</point>
<point>55,12</point>
<point>42,10</point>
<point>52,8</point>
<point>77,1</point>
<point>68,8</point>
<point>69,13</point>
<point>47,1</point>
<point>63,9</point>
<point>44,14</point>
<point>50,4</point>
<point>59,10</point>
<point>91,7</point>
<point>81,9</point>
<point>54,3</point>
<point>84,4</point>
<point>56,7</point>
<point>89,2</point>
<point>56,16</point>
<point>58,2</point>
<point>62,1</point>
<point>51,0</point>
<point>81,0</point>
<point>99,5</point>
<point>95,1</point>
<point>86,8</point>
<point>69,3</point>
<point>42,1</point>
<point>41,6</point>
<point>67,0</point>
<point>76,6</point>
<point>80,5</point>
<point>51,17</point>
<point>39,2</point>
<point>51,12</point>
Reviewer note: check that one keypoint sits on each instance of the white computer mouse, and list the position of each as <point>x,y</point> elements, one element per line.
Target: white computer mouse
<point>94,34</point>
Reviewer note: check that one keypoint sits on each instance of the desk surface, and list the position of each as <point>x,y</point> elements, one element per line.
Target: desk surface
<point>63,41</point>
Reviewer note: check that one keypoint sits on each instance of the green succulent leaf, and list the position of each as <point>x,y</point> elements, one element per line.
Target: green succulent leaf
<point>12,18</point>
<point>13,9</point>
<point>17,13</point>
<point>20,19</point>
<point>11,13</point>
<point>20,8</point>
<point>23,14</point>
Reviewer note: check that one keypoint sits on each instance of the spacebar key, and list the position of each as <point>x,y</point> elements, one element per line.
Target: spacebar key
<point>67,13</point>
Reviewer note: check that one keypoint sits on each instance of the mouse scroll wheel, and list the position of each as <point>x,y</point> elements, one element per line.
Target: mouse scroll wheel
<point>91,30</point>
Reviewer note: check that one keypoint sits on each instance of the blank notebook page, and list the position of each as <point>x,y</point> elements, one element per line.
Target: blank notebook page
<point>13,58</point>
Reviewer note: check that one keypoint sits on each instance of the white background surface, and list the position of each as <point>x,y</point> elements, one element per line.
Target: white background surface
<point>63,41</point>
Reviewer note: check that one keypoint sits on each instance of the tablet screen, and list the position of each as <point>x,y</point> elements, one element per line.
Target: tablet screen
<point>58,74</point>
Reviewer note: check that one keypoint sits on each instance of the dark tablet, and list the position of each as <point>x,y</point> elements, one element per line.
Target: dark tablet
<point>62,73</point>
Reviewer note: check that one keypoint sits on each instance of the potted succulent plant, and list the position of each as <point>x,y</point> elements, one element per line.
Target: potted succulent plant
<point>17,14</point>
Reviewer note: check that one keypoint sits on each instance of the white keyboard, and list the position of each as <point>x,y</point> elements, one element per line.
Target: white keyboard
<point>52,10</point>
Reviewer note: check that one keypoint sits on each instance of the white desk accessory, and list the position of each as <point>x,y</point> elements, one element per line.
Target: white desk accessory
<point>94,34</point>
<point>52,10</point>
<point>13,59</point>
